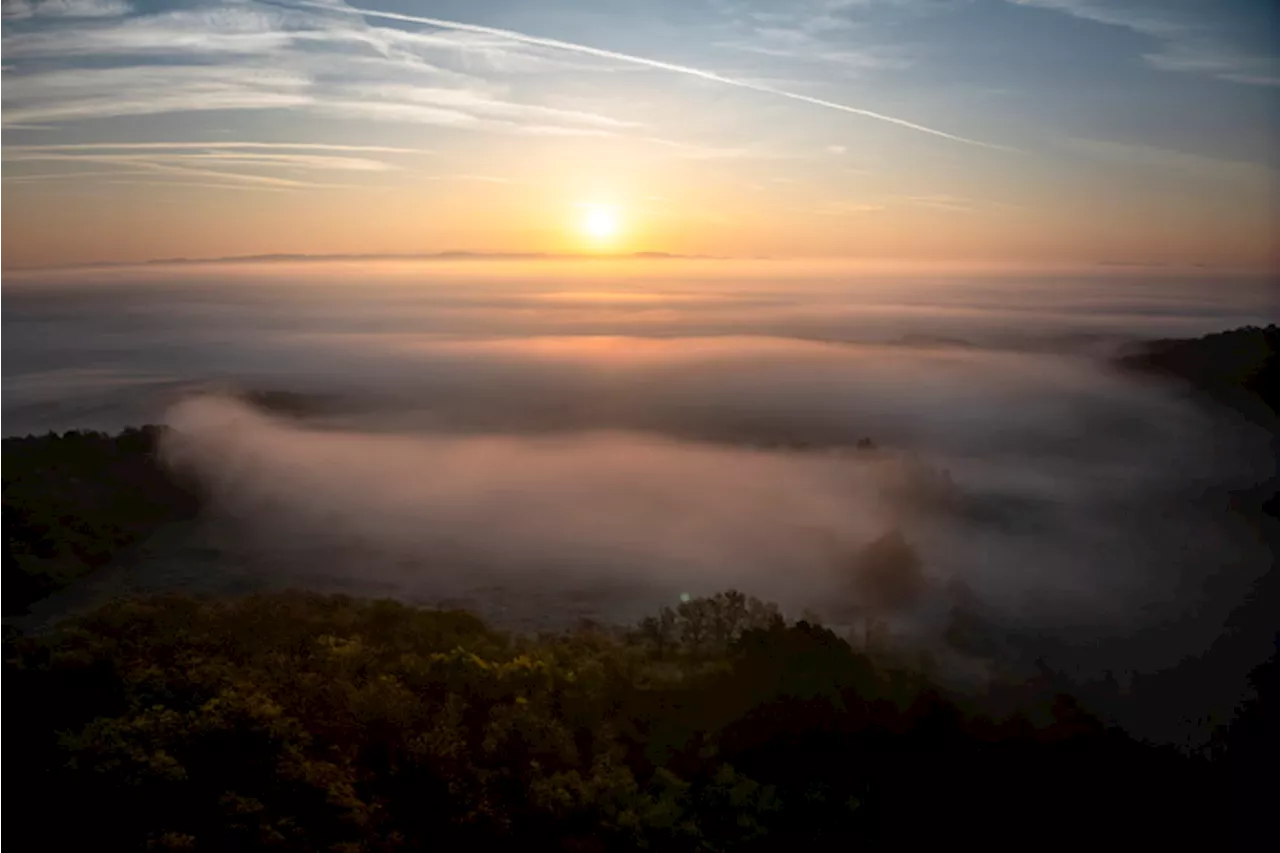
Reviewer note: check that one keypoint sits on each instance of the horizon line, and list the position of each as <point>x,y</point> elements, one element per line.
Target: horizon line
<point>451,254</point>
<point>640,255</point>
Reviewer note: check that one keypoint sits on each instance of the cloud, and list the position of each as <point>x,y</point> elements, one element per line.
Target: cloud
<point>843,208</point>
<point>231,30</point>
<point>836,149</point>
<point>215,145</point>
<point>801,46</point>
<point>544,464</point>
<point>306,161</point>
<point>238,158</point>
<point>183,182</point>
<point>1113,14</point>
<point>20,10</point>
<point>484,179</point>
<point>200,165</point>
<point>1217,60</point>
<point>1243,177</point>
<point>472,103</point>
<point>530,511</point>
<point>189,161</point>
<point>298,59</point>
<point>177,167</point>
<point>572,47</point>
<point>709,152</point>
<point>836,34</point>
<point>322,59</point>
<point>455,428</point>
<point>940,201</point>
<point>71,94</point>
<point>1185,46</point>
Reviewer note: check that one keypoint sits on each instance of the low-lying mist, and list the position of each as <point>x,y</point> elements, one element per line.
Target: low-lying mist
<point>1048,491</point>
<point>546,442</point>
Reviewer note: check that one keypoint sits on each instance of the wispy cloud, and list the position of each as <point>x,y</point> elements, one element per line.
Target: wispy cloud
<point>145,177</point>
<point>474,103</point>
<point>288,58</point>
<point>78,175</point>
<point>938,201</point>
<point>1185,45</point>
<point>1241,176</point>
<point>797,45</point>
<point>1217,60</point>
<point>169,165</point>
<point>710,152</point>
<point>845,208</point>
<point>1112,14</point>
<point>207,185</point>
<point>18,10</point>
<point>222,162</point>
<point>588,50</point>
<point>847,37</point>
<point>483,179</point>
<point>221,144</point>
<point>75,93</point>
<point>189,32</point>
<point>305,161</point>
<point>80,61</point>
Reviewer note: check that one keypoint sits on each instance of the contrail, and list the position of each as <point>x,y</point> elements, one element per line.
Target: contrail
<point>556,44</point>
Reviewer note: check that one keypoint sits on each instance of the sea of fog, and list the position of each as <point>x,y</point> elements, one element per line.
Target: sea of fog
<point>545,441</point>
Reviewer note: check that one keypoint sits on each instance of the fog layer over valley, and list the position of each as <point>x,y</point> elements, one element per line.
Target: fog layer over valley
<point>106,348</point>
<point>917,452</point>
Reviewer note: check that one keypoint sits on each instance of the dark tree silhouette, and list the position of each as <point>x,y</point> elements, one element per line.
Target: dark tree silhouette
<point>74,501</point>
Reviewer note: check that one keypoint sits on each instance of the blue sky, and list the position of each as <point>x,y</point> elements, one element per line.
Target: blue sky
<point>1051,129</point>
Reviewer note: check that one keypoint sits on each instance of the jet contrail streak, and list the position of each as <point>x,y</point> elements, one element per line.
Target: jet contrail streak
<point>556,44</point>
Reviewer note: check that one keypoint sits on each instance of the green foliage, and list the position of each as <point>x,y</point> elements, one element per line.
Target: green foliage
<point>1243,357</point>
<point>1237,367</point>
<point>73,501</point>
<point>703,628</point>
<point>887,574</point>
<point>302,722</point>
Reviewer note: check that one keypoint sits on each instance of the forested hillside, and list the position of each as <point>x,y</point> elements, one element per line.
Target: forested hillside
<point>74,501</point>
<point>1230,366</point>
<point>293,721</point>
<point>298,722</point>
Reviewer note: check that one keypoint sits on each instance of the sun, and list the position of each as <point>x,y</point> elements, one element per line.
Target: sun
<point>599,222</point>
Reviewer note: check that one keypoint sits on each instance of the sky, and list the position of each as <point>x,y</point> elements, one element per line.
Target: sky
<point>1033,132</point>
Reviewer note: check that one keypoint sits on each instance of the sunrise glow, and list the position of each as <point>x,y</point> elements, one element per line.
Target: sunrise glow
<point>136,132</point>
<point>784,421</point>
<point>599,222</point>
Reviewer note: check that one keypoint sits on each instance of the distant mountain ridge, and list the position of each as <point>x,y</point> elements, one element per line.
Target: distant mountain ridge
<point>1236,368</point>
<point>434,256</point>
<point>1224,365</point>
<point>285,257</point>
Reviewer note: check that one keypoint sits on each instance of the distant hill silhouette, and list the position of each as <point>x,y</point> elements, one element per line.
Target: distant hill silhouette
<point>284,257</point>
<point>433,256</point>
<point>1228,366</point>
<point>1236,368</point>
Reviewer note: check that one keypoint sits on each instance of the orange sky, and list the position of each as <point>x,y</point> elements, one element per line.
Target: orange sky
<point>830,132</point>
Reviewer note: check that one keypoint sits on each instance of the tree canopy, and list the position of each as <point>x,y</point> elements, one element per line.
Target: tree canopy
<point>300,722</point>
